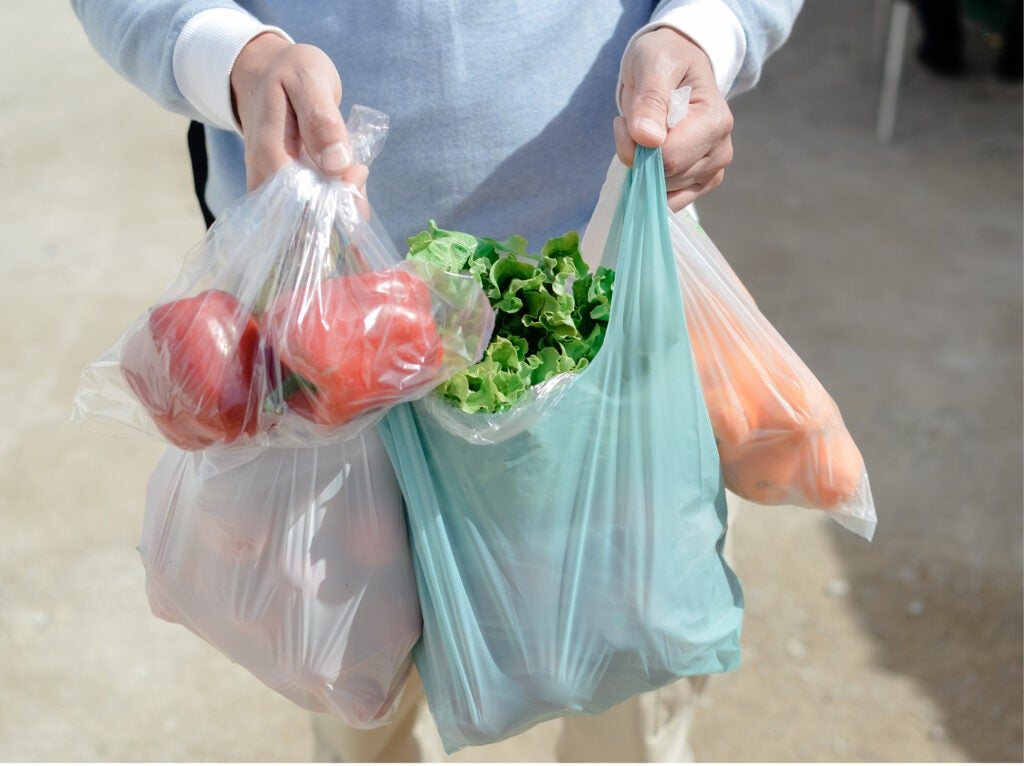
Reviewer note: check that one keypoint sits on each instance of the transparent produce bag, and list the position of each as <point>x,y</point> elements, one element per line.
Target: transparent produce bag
<point>294,322</point>
<point>780,436</point>
<point>294,563</point>
<point>572,557</point>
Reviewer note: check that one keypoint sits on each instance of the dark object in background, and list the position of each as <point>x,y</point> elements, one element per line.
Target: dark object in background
<point>942,46</point>
<point>943,39</point>
<point>197,155</point>
<point>1010,64</point>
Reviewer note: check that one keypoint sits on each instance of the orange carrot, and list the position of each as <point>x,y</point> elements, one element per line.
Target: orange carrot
<point>765,471</point>
<point>780,437</point>
<point>838,470</point>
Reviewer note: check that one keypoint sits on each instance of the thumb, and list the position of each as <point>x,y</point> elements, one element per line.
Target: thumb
<point>647,112</point>
<point>654,65</point>
<point>314,99</point>
<point>324,136</point>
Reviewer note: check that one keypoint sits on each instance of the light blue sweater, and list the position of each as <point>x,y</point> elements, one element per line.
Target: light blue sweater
<point>500,112</point>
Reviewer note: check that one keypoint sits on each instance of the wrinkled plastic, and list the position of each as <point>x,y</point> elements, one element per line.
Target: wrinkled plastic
<point>294,322</point>
<point>781,437</point>
<point>292,562</point>
<point>576,562</point>
<point>494,427</point>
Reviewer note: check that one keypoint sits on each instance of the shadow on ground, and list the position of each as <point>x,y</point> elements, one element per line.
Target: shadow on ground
<point>940,591</point>
<point>900,286</point>
<point>953,628</point>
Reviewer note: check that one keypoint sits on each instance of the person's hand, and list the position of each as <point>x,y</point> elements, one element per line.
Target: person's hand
<point>286,98</point>
<point>698,149</point>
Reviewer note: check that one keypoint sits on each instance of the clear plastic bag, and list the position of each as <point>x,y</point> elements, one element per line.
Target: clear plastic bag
<point>780,436</point>
<point>292,562</point>
<point>294,322</point>
<point>571,558</point>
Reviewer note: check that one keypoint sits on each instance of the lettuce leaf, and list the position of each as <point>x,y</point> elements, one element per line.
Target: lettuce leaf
<point>551,312</point>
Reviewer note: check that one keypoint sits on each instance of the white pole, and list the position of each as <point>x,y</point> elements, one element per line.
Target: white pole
<point>897,43</point>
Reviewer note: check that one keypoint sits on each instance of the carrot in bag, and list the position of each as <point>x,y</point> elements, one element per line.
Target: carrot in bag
<point>781,438</point>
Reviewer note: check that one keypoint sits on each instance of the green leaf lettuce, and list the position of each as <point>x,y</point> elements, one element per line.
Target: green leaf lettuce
<point>551,312</point>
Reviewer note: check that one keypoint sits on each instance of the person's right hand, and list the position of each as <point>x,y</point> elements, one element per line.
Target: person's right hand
<point>286,98</point>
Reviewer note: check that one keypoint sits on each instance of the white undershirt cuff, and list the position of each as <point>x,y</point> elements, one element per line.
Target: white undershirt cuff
<point>713,26</point>
<point>204,54</point>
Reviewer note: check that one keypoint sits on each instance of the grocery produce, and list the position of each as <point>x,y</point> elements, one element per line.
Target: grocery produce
<point>191,365</point>
<point>840,468</point>
<point>357,342</point>
<point>551,312</point>
<point>780,436</point>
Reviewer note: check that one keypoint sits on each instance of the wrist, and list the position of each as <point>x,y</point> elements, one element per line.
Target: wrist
<point>714,27</point>
<point>203,56</point>
<point>682,45</point>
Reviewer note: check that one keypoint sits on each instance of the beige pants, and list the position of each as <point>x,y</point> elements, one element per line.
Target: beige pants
<point>648,728</point>
<point>651,728</point>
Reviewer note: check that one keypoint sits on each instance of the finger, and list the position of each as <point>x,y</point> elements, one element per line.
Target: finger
<point>704,133</point>
<point>647,115</point>
<point>679,199</point>
<point>625,146</point>
<point>265,137</point>
<point>261,105</point>
<point>649,95</point>
<point>321,128</point>
<point>702,171</point>
<point>356,175</point>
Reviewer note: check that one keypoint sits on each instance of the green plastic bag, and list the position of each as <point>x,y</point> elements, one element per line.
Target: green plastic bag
<point>574,558</point>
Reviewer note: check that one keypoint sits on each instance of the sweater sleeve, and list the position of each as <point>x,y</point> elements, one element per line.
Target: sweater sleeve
<point>737,35</point>
<point>204,56</point>
<point>179,52</point>
<point>766,26</point>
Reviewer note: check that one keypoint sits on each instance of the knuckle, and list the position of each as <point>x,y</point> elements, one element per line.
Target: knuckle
<point>726,122</point>
<point>303,56</point>
<point>675,170</point>
<point>679,164</point>
<point>727,154</point>
<point>307,67</point>
<point>652,99</point>
<point>321,119</point>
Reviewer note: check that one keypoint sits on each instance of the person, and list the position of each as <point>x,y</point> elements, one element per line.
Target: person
<point>504,117</point>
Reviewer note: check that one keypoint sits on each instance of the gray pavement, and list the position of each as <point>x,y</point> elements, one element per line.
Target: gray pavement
<point>894,271</point>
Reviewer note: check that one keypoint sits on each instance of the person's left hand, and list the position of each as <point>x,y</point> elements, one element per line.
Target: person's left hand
<point>698,149</point>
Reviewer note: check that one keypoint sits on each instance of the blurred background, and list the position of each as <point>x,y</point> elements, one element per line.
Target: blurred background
<point>894,268</point>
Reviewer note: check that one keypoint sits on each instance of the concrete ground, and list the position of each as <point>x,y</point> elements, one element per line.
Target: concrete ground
<point>895,271</point>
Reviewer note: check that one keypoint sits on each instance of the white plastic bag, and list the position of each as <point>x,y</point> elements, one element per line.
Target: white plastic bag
<point>780,436</point>
<point>294,322</point>
<point>292,562</point>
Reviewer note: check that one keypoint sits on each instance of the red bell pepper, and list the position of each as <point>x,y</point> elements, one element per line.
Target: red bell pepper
<point>191,366</point>
<point>355,343</point>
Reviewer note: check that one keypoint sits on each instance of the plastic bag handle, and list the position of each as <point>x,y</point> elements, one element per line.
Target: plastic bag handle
<point>679,104</point>
<point>367,130</point>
